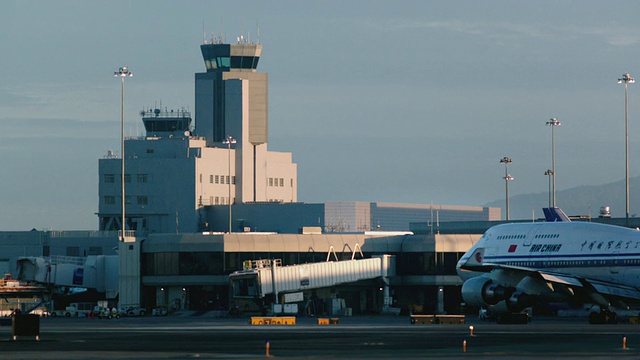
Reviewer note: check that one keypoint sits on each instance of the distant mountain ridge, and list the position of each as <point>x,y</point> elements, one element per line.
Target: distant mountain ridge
<point>580,200</point>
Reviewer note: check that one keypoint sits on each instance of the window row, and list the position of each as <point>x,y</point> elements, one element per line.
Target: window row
<point>140,200</point>
<point>140,178</point>
<point>215,200</point>
<point>507,237</point>
<point>571,263</point>
<point>547,236</point>
<point>279,182</point>
<point>220,179</point>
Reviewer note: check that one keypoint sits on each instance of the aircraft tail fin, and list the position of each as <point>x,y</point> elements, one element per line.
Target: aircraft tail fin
<point>555,214</point>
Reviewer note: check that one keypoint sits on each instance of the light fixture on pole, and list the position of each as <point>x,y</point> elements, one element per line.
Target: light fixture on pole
<point>553,123</point>
<point>549,173</point>
<point>626,79</point>
<point>228,141</point>
<point>123,72</point>
<point>506,161</point>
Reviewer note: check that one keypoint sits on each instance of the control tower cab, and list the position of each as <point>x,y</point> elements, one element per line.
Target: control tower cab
<point>228,57</point>
<point>158,123</point>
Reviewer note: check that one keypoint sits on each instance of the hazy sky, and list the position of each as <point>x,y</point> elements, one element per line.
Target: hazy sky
<point>391,101</point>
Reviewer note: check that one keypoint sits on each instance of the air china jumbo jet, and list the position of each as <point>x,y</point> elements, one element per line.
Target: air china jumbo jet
<point>513,266</point>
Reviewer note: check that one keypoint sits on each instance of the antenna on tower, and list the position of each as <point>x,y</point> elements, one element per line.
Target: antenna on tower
<point>222,41</point>
<point>257,33</point>
<point>204,34</point>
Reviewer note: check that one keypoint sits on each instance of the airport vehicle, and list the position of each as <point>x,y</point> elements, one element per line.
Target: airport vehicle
<point>106,313</point>
<point>82,309</point>
<point>514,266</point>
<point>135,311</point>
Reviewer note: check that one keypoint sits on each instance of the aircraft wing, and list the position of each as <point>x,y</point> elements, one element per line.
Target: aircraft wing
<point>605,288</point>
<point>614,289</point>
<point>476,263</point>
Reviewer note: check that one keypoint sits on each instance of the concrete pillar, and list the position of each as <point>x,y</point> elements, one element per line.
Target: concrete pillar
<point>386,303</point>
<point>440,300</point>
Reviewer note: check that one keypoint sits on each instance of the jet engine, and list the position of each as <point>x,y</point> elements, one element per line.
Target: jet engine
<point>481,291</point>
<point>519,301</point>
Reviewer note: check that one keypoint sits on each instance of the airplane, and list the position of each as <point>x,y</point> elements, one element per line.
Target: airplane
<point>514,266</point>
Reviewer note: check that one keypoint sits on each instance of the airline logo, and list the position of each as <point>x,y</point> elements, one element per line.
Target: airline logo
<point>545,248</point>
<point>512,248</point>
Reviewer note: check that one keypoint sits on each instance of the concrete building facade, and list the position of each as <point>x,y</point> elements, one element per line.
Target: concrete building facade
<point>191,271</point>
<point>173,172</point>
<point>342,217</point>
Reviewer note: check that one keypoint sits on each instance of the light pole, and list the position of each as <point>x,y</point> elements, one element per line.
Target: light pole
<point>626,79</point>
<point>123,72</point>
<point>506,161</point>
<point>553,123</point>
<point>549,173</point>
<point>228,141</point>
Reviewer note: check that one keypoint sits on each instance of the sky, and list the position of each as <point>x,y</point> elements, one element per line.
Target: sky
<point>387,101</point>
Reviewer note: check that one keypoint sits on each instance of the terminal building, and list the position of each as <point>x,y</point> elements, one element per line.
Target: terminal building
<point>203,199</point>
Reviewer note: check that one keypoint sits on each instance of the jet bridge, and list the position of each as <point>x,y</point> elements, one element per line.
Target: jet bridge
<point>99,272</point>
<point>256,280</point>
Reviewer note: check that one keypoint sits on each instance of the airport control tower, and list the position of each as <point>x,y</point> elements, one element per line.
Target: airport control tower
<point>230,91</point>
<point>231,100</point>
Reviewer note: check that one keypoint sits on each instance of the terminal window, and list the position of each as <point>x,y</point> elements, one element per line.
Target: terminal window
<point>73,251</point>
<point>95,250</point>
<point>109,178</point>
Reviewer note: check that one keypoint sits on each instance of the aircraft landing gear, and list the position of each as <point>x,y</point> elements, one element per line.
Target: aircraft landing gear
<point>605,316</point>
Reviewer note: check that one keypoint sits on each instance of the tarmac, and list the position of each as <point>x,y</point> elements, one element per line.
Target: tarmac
<point>358,337</point>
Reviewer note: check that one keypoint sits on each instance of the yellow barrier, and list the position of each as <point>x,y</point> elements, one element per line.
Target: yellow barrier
<point>327,321</point>
<point>437,319</point>
<point>450,319</point>
<point>272,320</point>
<point>423,319</point>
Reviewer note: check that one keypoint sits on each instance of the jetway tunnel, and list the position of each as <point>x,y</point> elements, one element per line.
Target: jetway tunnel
<point>98,272</point>
<point>260,278</point>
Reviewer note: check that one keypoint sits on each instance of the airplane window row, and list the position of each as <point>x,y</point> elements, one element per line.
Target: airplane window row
<point>573,263</point>
<point>552,263</point>
<point>547,236</point>
<point>504,237</point>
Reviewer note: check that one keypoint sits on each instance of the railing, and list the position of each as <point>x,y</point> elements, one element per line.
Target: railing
<point>89,233</point>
